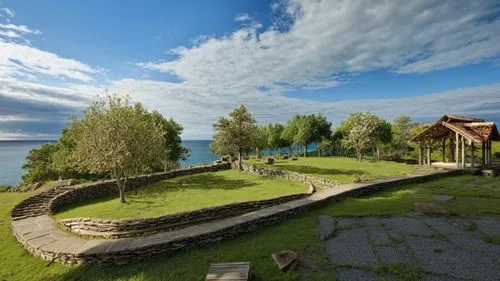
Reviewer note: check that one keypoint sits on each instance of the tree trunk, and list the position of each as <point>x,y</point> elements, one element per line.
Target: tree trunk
<point>318,148</point>
<point>240,167</point>
<point>305,150</point>
<point>121,190</point>
<point>257,153</point>
<point>378,153</point>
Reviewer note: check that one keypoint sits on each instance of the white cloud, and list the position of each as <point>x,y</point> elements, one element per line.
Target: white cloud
<point>8,12</point>
<point>16,118</point>
<point>23,29</point>
<point>243,17</point>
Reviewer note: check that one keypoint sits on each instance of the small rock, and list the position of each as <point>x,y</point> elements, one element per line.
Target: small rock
<point>285,260</point>
<point>430,208</point>
<point>294,158</point>
<point>269,161</point>
<point>286,156</point>
<point>443,198</point>
<point>311,189</point>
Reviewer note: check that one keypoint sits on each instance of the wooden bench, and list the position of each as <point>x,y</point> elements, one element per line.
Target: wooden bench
<point>236,271</point>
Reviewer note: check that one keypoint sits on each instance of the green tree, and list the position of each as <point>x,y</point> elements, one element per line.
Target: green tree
<point>118,139</point>
<point>174,151</point>
<point>383,136</point>
<point>39,164</point>
<point>275,140</point>
<point>402,132</point>
<point>290,131</point>
<point>260,140</point>
<point>361,134</point>
<point>234,134</point>
<point>322,131</point>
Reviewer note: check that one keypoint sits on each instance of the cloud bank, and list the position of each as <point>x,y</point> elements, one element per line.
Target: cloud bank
<point>309,45</point>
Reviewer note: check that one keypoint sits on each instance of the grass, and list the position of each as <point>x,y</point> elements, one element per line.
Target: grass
<point>340,169</point>
<point>474,196</point>
<point>185,194</point>
<point>297,233</point>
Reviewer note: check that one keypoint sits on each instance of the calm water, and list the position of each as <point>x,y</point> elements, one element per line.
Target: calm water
<point>12,154</point>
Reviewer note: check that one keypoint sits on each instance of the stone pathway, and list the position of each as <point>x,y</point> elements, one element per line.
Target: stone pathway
<point>39,235</point>
<point>442,248</point>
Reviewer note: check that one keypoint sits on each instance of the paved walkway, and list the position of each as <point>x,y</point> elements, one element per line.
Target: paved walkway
<point>41,237</point>
<point>444,249</point>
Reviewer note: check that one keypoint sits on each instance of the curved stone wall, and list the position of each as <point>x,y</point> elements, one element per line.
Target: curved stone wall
<point>101,189</point>
<point>141,226</point>
<point>289,175</point>
<point>41,238</point>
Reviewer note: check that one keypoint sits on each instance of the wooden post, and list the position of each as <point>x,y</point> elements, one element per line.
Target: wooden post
<point>420,156</point>
<point>452,149</point>
<point>457,140</point>
<point>472,160</point>
<point>489,152</point>
<point>483,154</point>
<point>463,152</point>
<point>429,153</point>
<point>444,150</point>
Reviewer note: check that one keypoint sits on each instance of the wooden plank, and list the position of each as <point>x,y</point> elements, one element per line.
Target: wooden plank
<point>238,271</point>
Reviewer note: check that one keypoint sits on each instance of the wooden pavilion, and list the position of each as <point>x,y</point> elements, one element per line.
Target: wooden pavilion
<point>462,134</point>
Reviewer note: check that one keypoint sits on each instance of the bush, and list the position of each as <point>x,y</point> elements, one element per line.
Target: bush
<point>6,188</point>
<point>497,155</point>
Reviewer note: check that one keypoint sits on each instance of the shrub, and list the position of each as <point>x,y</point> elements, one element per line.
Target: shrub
<point>6,188</point>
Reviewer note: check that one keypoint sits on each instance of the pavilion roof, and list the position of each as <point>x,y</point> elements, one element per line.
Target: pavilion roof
<point>473,129</point>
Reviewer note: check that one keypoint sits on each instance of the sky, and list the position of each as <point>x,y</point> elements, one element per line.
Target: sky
<point>197,60</point>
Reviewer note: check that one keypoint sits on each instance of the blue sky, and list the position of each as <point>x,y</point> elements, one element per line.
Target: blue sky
<point>196,60</point>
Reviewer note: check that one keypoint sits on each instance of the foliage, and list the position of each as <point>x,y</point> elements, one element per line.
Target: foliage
<point>275,139</point>
<point>303,130</point>
<point>39,164</point>
<point>383,136</point>
<point>118,139</point>
<point>174,151</point>
<point>235,134</point>
<point>361,130</point>
<point>6,188</point>
<point>260,139</point>
<point>402,132</point>
<point>185,194</point>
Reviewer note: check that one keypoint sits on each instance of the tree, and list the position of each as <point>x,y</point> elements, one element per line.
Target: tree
<point>361,134</point>
<point>274,136</point>
<point>39,163</point>
<point>322,130</point>
<point>118,139</point>
<point>174,151</point>
<point>290,131</point>
<point>383,136</point>
<point>234,134</point>
<point>401,132</point>
<point>260,140</point>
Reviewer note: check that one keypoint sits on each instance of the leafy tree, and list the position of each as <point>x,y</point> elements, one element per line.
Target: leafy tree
<point>402,132</point>
<point>39,163</point>
<point>118,139</point>
<point>361,134</point>
<point>261,140</point>
<point>322,131</point>
<point>174,151</point>
<point>383,136</point>
<point>234,134</point>
<point>290,131</point>
<point>274,136</point>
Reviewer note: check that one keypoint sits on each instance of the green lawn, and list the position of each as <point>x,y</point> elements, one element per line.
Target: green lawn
<point>184,194</point>
<point>297,233</point>
<point>340,168</point>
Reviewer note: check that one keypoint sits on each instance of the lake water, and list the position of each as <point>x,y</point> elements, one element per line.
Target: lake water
<point>13,153</point>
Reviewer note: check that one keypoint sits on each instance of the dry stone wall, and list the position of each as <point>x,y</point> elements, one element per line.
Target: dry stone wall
<point>101,189</point>
<point>288,175</point>
<point>137,227</point>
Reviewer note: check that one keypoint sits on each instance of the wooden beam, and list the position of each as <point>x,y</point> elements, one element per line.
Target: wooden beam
<point>457,140</point>
<point>444,150</point>
<point>489,152</point>
<point>472,160</point>
<point>483,154</point>
<point>463,152</point>
<point>420,156</point>
<point>429,153</point>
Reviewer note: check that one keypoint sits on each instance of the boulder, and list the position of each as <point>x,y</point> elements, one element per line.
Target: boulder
<point>285,260</point>
<point>294,158</point>
<point>311,189</point>
<point>431,209</point>
<point>286,156</point>
<point>269,161</point>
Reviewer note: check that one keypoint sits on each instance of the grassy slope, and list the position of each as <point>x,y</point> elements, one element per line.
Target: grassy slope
<point>298,233</point>
<point>340,168</point>
<point>186,193</point>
